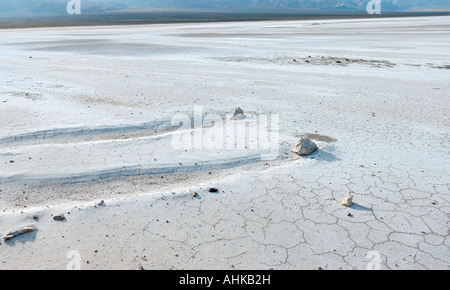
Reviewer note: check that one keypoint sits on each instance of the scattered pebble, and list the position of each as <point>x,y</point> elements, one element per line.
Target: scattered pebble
<point>238,114</point>
<point>59,217</point>
<point>348,201</point>
<point>213,190</point>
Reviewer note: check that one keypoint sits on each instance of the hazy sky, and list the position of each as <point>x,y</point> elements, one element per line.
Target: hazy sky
<point>20,8</point>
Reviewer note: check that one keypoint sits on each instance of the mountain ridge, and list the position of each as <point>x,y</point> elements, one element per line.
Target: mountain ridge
<point>25,8</point>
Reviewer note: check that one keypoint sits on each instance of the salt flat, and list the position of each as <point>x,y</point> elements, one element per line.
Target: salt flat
<point>95,113</point>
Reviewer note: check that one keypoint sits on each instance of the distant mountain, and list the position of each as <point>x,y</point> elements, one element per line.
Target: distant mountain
<point>27,8</point>
<point>356,5</point>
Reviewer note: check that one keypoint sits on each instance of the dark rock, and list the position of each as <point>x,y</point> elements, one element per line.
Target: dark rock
<point>59,217</point>
<point>238,114</point>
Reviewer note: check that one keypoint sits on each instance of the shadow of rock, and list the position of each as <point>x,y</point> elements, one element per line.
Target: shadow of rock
<point>323,156</point>
<point>24,238</point>
<point>356,206</point>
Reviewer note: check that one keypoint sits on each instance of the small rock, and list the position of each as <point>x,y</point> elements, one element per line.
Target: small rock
<point>16,233</point>
<point>213,190</point>
<point>101,203</point>
<point>194,194</point>
<point>305,146</point>
<point>348,201</point>
<point>59,217</point>
<point>349,215</point>
<point>238,114</point>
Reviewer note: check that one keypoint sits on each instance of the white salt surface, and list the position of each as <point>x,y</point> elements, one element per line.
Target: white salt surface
<point>87,115</point>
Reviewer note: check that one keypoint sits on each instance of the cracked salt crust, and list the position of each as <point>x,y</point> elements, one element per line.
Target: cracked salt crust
<point>391,125</point>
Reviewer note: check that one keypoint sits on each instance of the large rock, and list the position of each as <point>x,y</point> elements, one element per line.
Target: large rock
<point>305,146</point>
